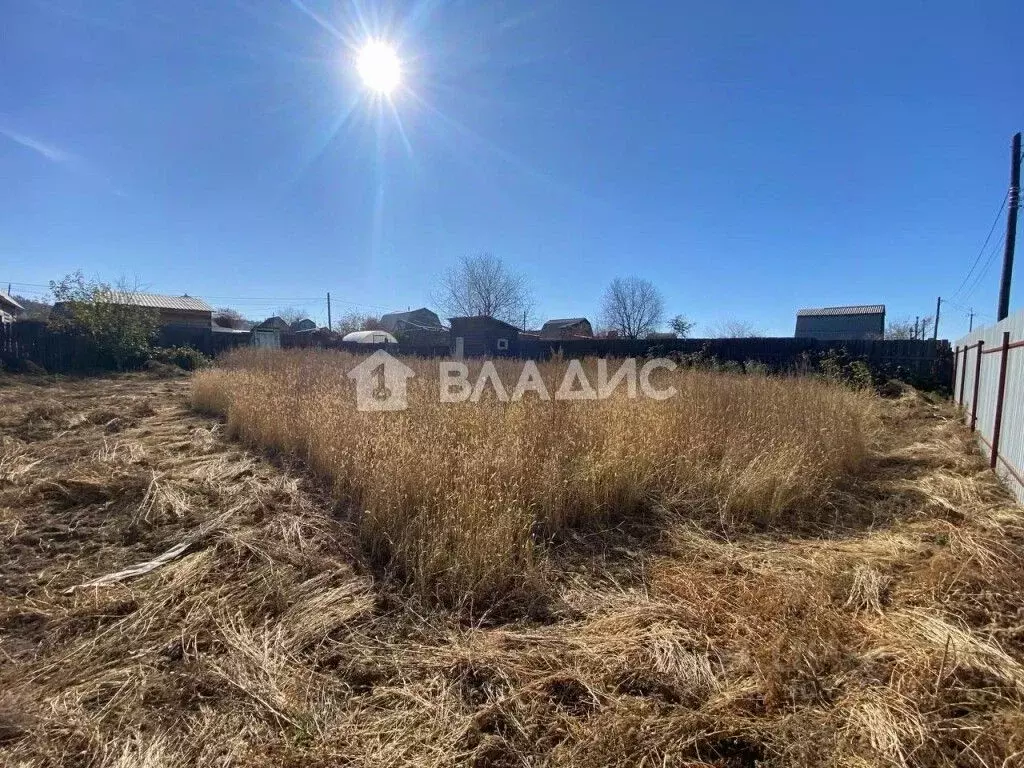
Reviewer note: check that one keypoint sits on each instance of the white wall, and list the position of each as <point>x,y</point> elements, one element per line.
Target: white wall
<point>1010,464</point>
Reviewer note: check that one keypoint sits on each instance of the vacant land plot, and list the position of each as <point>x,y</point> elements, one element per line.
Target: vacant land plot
<point>870,617</point>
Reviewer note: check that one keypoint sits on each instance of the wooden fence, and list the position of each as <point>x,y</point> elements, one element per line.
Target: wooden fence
<point>60,352</point>
<point>924,363</point>
<point>34,341</point>
<point>988,385</point>
<point>921,361</point>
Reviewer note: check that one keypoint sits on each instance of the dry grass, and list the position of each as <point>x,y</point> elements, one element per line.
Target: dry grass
<point>887,631</point>
<point>459,499</point>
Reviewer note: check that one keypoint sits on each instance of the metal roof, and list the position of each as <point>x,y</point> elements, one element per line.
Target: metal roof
<point>6,299</point>
<point>861,309</point>
<point>160,301</point>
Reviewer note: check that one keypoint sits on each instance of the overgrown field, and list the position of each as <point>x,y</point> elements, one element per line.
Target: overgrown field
<point>459,499</point>
<point>864,610</point>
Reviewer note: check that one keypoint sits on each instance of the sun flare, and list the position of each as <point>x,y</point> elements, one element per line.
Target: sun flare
<point>379,67</point>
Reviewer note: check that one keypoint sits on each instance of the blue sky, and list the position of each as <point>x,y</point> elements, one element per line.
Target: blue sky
<point>748,158</point>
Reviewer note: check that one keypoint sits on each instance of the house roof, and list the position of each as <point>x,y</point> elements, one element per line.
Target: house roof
<point>407,313</point>
<point>5,298</point>
<point>564,322</point>
<point>160,301</point>
<point>272,322</point>
<point>485,318</point>
<point>860,309</point>
<point>391,319</point>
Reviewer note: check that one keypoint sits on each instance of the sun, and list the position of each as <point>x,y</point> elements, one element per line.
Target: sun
<point>379,67</point>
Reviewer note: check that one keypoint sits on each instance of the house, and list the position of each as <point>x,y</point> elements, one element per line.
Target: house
<point>865,321</point>
<point>273,323</point>
<point>9,308</point>
<point>662,335</point>
<point>416,319</point>
<point>304,325</point>
<point>567,328</point>
<point>482,335</point>
<point>173,311</point>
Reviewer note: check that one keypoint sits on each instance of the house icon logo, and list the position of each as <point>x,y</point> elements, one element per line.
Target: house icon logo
<point>380,383</point>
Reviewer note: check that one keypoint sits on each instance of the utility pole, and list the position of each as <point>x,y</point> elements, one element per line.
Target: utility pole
<point>1011,230</point>
<point>329,325</point>
<point>935,327</point>
<point>971,326</point>
<point>917,322</point>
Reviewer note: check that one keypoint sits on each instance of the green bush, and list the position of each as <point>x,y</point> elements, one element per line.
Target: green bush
<point>119,334</point>
<point>185,357</point>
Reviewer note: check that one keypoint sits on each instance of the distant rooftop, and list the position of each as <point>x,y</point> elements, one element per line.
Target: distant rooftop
<point>860,309</point>
<point>562,322</point>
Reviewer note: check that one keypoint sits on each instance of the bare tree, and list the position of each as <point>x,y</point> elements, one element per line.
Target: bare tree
<point>355,321</point>
<point>481,285</point>
<point>632,306</point>
<point>292,314</point>
<point>734,329</point>
<point>905,328</point>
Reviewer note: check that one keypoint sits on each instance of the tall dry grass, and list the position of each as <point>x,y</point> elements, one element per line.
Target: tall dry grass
<point>890,634</point>
<point>458,499</point>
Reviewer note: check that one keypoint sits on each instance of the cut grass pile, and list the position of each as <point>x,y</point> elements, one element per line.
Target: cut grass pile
<point>459,499</point>
<point>886,630</point>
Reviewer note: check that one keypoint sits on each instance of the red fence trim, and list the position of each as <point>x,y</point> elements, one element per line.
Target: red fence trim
<point>1015,345</point>
<point>977,386</point>
<point>998,426</point>
<point>1017,474</point>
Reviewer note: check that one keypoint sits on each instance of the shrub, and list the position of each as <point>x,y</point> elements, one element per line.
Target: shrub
<point>120,335</point>
<point>163,370</point>
<point>185,357</point>
<point>26,366</point>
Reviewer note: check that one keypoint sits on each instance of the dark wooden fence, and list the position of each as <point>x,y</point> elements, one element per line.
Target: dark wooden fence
<point>60,352</point>
<point>913,359</point>
<point>925,363</point>
<point>34,341</point>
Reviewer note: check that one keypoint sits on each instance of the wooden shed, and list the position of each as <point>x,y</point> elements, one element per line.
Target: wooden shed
<point>567,328</point>
<point>483,336</point>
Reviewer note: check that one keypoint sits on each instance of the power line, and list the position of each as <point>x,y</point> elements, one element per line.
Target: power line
<point>985,269</point>
<point>965,310</point>
<point>254,301</point>
<point>984,245</point>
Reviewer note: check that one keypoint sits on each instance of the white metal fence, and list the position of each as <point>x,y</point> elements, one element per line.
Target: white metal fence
<point>988,383</point>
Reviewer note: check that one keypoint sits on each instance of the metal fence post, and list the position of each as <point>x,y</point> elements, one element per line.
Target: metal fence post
<point>997,427</point>
<point>977,383</point>
<point>963,376</point>
<point>956,363</point>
